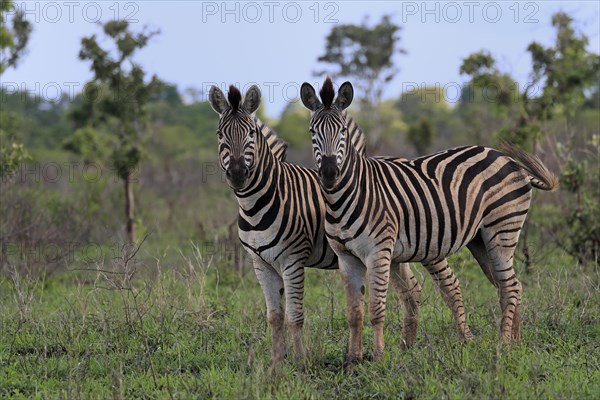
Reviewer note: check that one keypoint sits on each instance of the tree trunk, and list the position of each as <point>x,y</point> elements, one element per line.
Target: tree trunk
<point>129,211</point>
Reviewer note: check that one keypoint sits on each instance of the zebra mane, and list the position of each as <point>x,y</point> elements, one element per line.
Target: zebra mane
<point>277,145</point>
<point>235,97</point>
<point>327,93</point>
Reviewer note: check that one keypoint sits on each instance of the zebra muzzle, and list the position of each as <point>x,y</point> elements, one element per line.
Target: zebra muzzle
<point>329,172</point>
<point>237,173</point>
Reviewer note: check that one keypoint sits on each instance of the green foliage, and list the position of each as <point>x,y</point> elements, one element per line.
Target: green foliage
<point>365,55</point>
<point>421,102</point>
<point>123,93</point>
<point>12,153</point>
<point>198,118</point>
<point>520,134</point>
<point>420,136</point>
<point>580,176</point>
<point>12,46</point>
<point>391,120</point>
<point>362,52</point>
<point>13,41</point>
<point>293,125</point>
<point>89,143</point>
<point>562,77</point>
<point>478,64</point>
<point>125,102</point>
<point>565,70</point>
<point>40,226</point>
<point>11,157</point>
<point>563,74</point>
<point>36,122</point>
<point>489,101</point>
<point>430,103</point>
<point>124,159</point>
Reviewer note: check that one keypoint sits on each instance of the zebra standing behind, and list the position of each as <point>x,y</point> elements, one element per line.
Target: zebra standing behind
<point>282,216</point>
<point>383,210</point>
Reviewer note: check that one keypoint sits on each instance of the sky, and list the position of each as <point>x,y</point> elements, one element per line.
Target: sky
<point>275,44</point>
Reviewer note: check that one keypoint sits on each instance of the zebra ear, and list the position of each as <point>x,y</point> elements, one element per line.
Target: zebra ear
<point>309,97</point>
<point>345,96</point>
<point>252,99</point>
<point>217,100</point>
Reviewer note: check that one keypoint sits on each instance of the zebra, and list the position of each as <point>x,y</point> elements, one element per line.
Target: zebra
<point>385,209</point>
<point>277,145</point>
<point>281,216</point>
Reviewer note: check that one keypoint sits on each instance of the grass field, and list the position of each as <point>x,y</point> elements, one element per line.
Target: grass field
<point>195,329</point>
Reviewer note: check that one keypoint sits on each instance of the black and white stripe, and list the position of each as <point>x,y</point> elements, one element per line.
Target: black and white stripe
<point>281,213</point>
<point>382,210</point>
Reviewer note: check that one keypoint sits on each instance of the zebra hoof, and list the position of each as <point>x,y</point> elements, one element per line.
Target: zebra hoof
<point>273,361</point>
<point>466,335</point>
<point>406,344</point>
<point>351,362</point>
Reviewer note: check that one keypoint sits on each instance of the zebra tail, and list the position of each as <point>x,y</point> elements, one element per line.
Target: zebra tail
<point>539,175</point>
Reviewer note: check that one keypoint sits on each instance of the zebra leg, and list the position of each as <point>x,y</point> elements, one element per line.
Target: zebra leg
<point>449,285</point>
<point>378,278</point>
<point>500,248</point>
<point>273,289</point>
<point>293,280</point>
<point>352,271</point>
<point>478,250</point>
<point>408,290</point>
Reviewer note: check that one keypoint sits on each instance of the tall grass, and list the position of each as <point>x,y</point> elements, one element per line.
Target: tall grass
<point>196,328</point>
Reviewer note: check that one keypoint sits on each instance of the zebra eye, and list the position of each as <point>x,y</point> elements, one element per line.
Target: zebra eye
<point>219,134</point>
<point>344,129</point>
<point>312,131</point>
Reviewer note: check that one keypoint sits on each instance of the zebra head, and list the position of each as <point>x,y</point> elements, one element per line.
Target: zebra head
<point>236,132</point>
<point>328,128</point>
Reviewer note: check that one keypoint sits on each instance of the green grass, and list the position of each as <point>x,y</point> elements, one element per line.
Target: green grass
<point>203,334</point>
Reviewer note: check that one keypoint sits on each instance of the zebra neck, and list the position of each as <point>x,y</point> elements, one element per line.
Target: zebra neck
<point>263,177</point>
<point>350,179</point>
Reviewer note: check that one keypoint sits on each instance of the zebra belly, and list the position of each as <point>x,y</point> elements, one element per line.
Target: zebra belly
<point>434,249</point>
<point>280,255</point>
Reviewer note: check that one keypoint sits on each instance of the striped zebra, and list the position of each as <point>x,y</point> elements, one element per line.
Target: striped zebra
<point>386,209</point>
<point>281,221</point>
<point>277,145</point>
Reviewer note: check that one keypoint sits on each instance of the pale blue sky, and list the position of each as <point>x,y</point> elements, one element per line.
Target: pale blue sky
<point>275,44</point>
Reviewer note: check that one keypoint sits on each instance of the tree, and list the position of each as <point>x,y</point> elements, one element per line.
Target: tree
<point>12,153</point>
<point>560,78</point>
<point>120,100</point>
<point>580,176</point>
<point>13,42</point>
<point>430,103</point>
<point>365,55</point>
<point>394,127</point>
<point>488,98</point>
<point>563,79</point>
<point>564,71</point>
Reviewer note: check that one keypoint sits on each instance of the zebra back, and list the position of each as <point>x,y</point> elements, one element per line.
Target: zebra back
<point>277,145</point>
